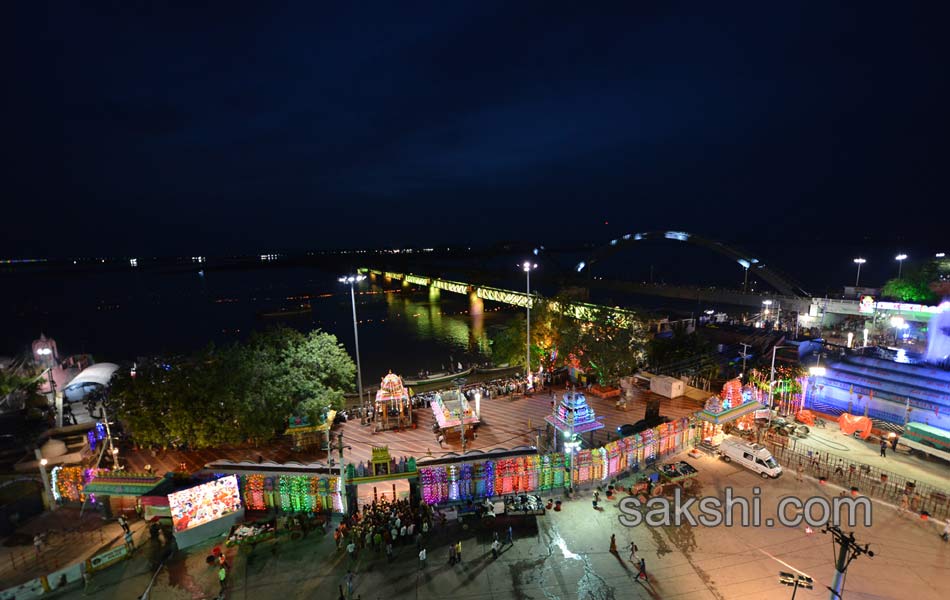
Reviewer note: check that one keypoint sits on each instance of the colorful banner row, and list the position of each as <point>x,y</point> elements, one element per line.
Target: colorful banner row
<point>291,493</point>
<point>485,479</point>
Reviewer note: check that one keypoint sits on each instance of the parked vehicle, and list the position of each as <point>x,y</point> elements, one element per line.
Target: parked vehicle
<point>751,456</point>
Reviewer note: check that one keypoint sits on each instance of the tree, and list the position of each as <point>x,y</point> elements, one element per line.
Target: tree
<point>917,285</point>
<point>233,394</point>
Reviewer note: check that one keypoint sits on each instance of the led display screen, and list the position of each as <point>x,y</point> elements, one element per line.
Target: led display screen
<point>204,503</point>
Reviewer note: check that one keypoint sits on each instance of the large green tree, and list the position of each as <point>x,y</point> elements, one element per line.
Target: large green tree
<point>916,285</point>
<point>243,392</point>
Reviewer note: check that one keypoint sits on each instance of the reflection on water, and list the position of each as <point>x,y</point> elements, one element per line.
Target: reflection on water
<point>446,322</point>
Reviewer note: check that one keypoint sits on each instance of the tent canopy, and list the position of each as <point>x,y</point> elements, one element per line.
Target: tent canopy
<point>100,373</point>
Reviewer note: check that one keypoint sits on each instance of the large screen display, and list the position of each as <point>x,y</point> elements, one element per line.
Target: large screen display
<point>204,503</point>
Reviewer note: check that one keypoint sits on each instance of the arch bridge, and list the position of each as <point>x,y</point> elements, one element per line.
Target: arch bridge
<point>781,282</point>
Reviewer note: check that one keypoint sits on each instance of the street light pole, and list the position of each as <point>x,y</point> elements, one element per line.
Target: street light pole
<point>352,279</point>
<point>527,266</point>
<point>859,262</point>
<point>900,258</point>
<point>44,477</point>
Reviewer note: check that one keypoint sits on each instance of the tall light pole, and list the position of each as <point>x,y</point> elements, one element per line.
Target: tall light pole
<point>900,258</point>
<point>353,279</point>
<point>765,311</point>
<point>859,262</point>
<point>528,267</point>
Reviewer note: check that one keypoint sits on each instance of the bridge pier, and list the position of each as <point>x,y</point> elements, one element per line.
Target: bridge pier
<point>435,294</point>
<point>476,306</point>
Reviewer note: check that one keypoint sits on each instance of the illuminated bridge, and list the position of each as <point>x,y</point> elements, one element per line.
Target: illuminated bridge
<point>578,310</point>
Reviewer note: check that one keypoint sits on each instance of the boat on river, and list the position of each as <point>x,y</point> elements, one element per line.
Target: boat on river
<point>442,377</point>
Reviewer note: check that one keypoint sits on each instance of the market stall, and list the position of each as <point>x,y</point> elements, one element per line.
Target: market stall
<point>524,505</point>
<point>305,434</point>
<point>393,407</point>
<point>119,491</point>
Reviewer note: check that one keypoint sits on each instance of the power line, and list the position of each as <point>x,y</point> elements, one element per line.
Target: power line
<point>848,550</point>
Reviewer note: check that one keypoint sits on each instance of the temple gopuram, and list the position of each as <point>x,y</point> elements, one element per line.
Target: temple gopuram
<point>393,407</point>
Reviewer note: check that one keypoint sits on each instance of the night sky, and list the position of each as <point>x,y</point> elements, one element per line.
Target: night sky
<point>238,128</point>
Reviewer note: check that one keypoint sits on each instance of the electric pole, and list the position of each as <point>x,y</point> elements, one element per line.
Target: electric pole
<point>745,354</point>
<point>848,550</point>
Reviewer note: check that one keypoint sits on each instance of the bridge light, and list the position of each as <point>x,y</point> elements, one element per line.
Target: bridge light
<point>680,236</point>
<point>745,264</point>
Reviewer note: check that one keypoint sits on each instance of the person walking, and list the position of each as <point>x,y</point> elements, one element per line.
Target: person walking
<point>451,554</point>
<point>633,552</point>
<point>946,532</point>
<point>613,543</point>
<point>495,546</point>
<point>128,541</point>
<point>883,448</point>
<point>351,551</point>
<point>422,558</point>
<point>389,552</point>
<point>596,498</point>
<point>349,583</point>
<point>37,544</point>
<point>511,536</point>
<point>798,471</point>
<point>642,571</point>
<point>458,551</point>
<point>222,577</point>
<point>123,523</point>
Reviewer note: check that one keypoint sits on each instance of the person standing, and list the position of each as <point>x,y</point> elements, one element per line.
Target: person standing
<point>422,558</point>
<point>351,550</point>
<point>511,536</point>
<point>37,544</point>
<point>883,448</point>
<point>123,523</point>
<point>458,551</point>
<point>389,552</point>
<point>494,548</point>
<point>596,498</point>
<point>452,555</point>
<point>613,543</point>
<point>798,471</point>
<point>222,577</point>
<point>349,584</point>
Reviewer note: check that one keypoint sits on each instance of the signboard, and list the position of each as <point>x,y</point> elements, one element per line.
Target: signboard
<point>867,305</point>
<point>107,558</point>
<point>762,413</point>
<point>204,503</point>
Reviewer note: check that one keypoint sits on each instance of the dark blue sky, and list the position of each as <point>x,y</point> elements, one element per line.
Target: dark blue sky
<point>246,127</point>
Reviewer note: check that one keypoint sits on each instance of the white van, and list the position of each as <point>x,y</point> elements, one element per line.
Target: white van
<point>751,456</point>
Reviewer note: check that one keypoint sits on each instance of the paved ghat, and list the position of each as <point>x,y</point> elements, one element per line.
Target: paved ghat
<point>567,554</point>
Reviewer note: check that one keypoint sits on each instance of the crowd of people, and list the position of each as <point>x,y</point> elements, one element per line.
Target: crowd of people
<point>382,526</point>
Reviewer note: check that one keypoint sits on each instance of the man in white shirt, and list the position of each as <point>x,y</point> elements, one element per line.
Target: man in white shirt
<point>422,558</point>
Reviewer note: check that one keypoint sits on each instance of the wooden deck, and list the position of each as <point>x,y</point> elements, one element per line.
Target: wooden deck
<point>505,423</point>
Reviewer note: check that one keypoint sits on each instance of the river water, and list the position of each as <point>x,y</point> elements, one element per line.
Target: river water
<point>121,315</point>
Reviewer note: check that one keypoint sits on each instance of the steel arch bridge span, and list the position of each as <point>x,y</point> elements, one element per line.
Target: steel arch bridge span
<point>780,282</point>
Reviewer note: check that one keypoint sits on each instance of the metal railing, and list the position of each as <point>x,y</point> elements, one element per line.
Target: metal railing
<point>869,480</point>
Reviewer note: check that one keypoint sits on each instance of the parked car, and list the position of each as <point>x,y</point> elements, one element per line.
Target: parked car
<point>754,457</point>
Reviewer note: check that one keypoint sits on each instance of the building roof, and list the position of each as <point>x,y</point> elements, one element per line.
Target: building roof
<point>100,373</point>
<point>123,484</point>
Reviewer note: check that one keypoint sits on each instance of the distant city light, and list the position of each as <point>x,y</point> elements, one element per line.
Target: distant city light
<point>134,262</point>
<point>941,254</point>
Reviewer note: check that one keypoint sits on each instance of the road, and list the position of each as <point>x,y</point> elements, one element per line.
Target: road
<point>566,555</point>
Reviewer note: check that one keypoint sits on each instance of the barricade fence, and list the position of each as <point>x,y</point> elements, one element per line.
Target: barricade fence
<point>869,480</point>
